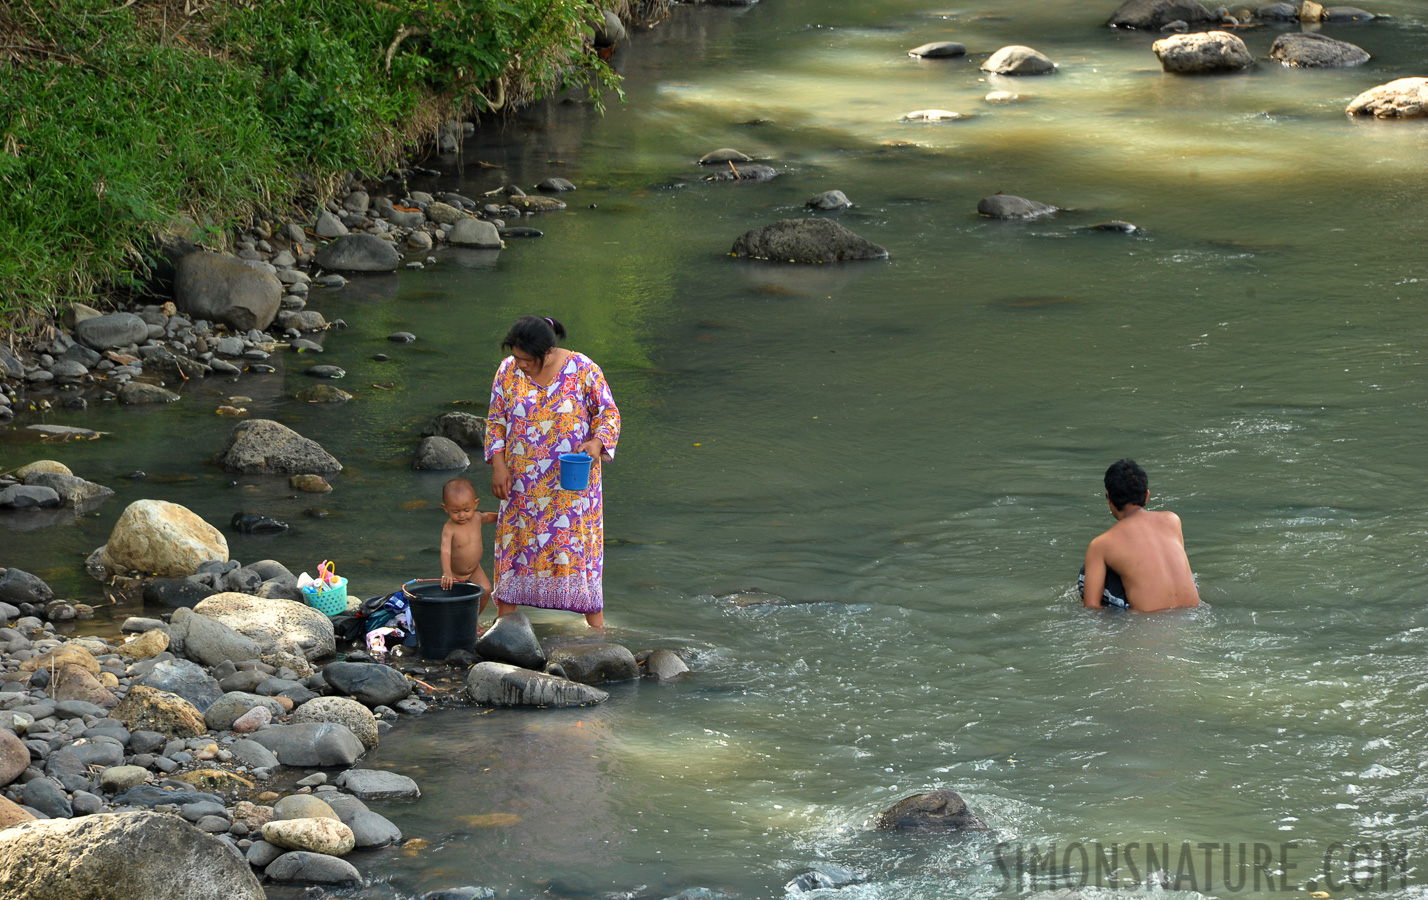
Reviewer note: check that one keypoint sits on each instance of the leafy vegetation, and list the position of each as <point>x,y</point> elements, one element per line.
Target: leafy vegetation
<point>119,120</point>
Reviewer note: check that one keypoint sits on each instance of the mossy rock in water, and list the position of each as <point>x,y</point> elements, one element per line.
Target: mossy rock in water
<point>933,811</point>
<point>323,393</point>
<point>536,204</point>
<point>806,241</point>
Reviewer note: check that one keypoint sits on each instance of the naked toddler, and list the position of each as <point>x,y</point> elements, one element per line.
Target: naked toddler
<point>461,538</point>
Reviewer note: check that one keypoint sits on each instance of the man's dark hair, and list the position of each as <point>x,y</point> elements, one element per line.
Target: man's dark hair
<point>1126,482</point>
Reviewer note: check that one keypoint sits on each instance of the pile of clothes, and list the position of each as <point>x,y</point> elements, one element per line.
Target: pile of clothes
<point>380,623</point>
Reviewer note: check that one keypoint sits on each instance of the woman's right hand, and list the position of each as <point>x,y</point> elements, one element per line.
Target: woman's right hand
<point>500,478</point>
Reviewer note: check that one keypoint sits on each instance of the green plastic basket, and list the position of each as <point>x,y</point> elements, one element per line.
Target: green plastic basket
<point>328,601</point>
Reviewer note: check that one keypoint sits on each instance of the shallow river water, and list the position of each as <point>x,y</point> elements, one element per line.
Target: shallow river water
<point>907,456</point>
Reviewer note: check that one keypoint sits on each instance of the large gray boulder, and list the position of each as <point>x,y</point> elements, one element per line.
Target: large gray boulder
<point>498,684</point>
<point>1019,60</point>
<point>311,744</point>
<point>1308,50</point>
<point>1403,98</point>
<point>369,829</point>
<point>1152,15</point>
<point>265,447</point>
<point>359,253</point>
<point>376,784</point>
<point>121,856</point>
<point>72,490</point>
<point>438,454</point>
<point>465,429</point>
<point>933,811</point>
<point>111,331</point>
<point>806,241</point>
<point>19,586</point>
<point>1203,53</point>
<point>1009,206</point>
<point>185,679</point>
<point>306,867</point>
<point>512,640</point>
<point>209,641</point>
<point>225,289</point>
<point>474,233</point>
<point>370,683</point>
<point>595,663</point>
<point>278,626</point>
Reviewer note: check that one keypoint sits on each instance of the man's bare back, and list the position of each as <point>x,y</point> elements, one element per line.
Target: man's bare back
<point>1146,548</point>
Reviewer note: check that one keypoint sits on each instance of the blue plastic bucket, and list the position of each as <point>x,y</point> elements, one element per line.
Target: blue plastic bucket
<point>574,471</point>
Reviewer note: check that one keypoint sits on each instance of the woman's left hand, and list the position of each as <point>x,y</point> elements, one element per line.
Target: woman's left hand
<point>592,448</point>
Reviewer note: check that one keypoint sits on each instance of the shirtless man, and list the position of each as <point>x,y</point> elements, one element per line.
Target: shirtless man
<point>1145,549</point>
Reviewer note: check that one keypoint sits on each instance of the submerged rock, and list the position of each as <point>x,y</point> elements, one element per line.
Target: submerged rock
<point>829,200</point>
<point>935,810</point>
<point>1203,53</point>
<point>746,172</point>
<point>812,240</point>
<point>499,684</point>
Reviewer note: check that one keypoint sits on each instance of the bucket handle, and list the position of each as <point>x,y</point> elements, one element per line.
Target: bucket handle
<point>428,581</point>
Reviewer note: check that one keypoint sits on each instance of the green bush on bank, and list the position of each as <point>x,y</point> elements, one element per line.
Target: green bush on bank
<point>117,120</point>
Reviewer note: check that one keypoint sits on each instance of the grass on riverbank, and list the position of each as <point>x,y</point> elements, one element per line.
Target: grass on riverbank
<point>120,119</point>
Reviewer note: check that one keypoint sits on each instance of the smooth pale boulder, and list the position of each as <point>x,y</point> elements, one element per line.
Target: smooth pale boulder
<point>161,538</point>
<point>1403,98</point>
<point>358,718</point>
<point>275,625</point>
<point>139,855</point>
<point>499,684</point>
<point>117,779</point>
<point>360,252</point>
<point>265,447</point>
<point>1205,53</point>
<point>223,288</point>
<point>302,806</point>
<point>931,811</point>
<point>1307,50</point>
<point>1153,15</point>
<point>806,241</point>
<point>1019,60</point>
<point>148,709</point>
<point>316,835</point>
<point>41,467</point>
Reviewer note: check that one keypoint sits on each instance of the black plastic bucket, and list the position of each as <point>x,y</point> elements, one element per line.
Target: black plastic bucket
<point>445,619</point>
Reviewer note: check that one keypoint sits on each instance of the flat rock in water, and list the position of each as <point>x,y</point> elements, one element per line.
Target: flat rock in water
<point>1008,206</point>
<point>137,393</point>
<point>64,431</point>
<point>1404,98</point>
<point>724,155</point>
<point>1277,12</point>
<point>929,116</point>
<point>323,393</point>
<point>939,50</point>
<point>499,684</point>
<point>325,372</point>
<point>746,172</point>
<point>556,185</point>
<point>520,231</point>
<point>1203,53</point>
<point>24,496</point>
<point>812,240</point>
<point>536,204</point>
<point>512,640</point>
<point>1152,15</point>
<point>359,253</point>
<point>1344,14</point>
<point>72,490</point>
<point>475,233</point>
<point>376,784</point>
<point>1115,226</point>
<point>1019,60</point>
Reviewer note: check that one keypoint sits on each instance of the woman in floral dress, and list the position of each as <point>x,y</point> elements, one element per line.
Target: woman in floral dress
<point>545,401</point>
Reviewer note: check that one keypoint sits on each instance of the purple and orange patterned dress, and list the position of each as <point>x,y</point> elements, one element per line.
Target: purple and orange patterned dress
<point>550,543</point>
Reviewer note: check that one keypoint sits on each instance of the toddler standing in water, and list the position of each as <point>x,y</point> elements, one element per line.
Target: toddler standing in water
<point>461,538</point>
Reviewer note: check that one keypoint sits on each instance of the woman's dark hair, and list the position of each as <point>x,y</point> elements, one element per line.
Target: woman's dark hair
<point>535,335</point>
<point>1126,482</point>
